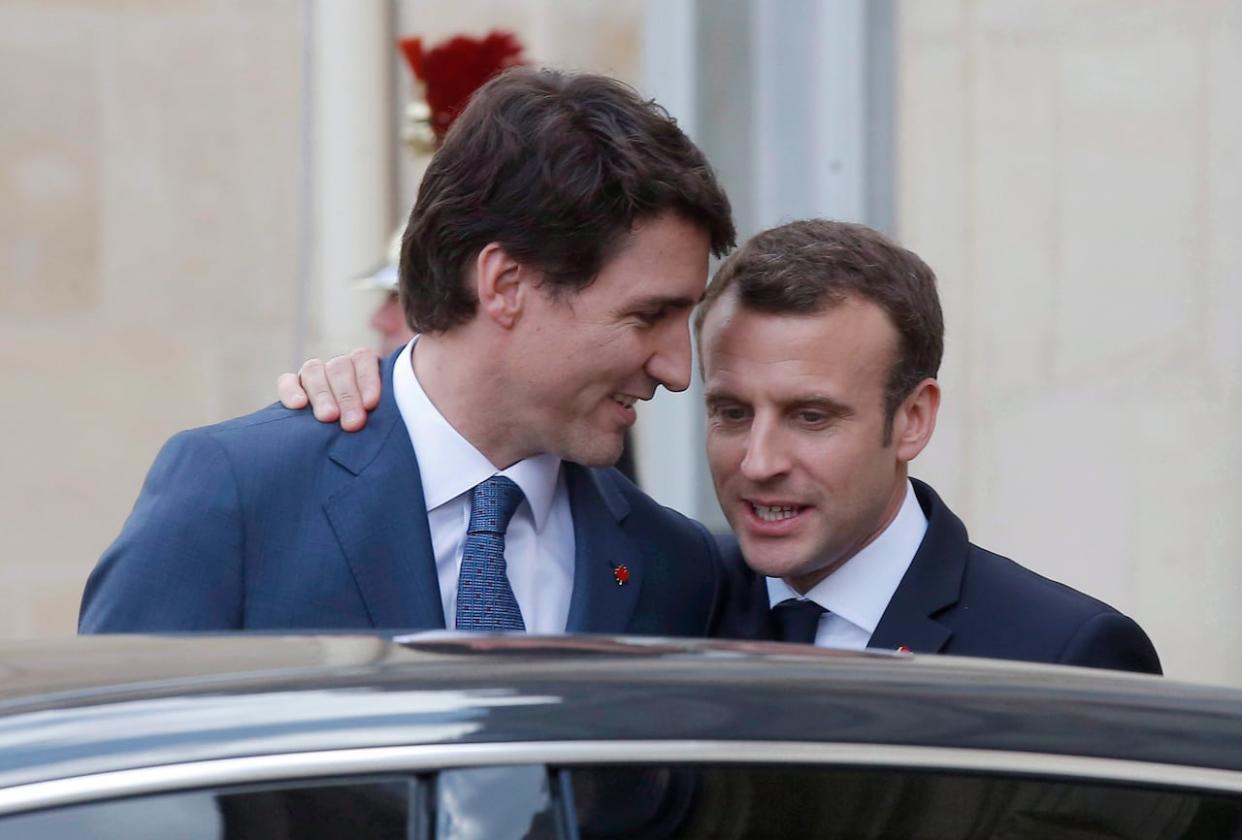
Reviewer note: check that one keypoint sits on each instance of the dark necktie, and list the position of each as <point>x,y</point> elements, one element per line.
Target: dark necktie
<point>485,599</point>
<point>797,620</point>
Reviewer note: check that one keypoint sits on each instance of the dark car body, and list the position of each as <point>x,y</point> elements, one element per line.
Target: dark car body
<point>630,738</point>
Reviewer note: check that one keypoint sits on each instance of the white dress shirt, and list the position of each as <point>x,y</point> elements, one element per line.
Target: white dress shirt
<point>539,543</point>
<point>858,592</point>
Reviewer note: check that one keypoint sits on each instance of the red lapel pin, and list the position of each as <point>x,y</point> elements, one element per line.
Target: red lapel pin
<point>622,574</point>
<point>902,649</point>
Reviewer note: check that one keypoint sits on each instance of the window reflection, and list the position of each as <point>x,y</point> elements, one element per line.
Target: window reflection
<point>884,804</point>
<point>656,801</point>
<point>377,810</point>
<point>495,803</point>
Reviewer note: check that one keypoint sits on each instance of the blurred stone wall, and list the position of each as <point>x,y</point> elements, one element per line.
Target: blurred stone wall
<point>1073,172</point>
<point>149,207</point>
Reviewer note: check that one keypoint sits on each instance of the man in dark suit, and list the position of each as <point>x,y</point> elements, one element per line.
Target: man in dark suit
<point>557,247</point>
<point>820,344</point>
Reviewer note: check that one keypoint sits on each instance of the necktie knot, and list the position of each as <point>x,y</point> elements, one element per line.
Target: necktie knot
<point>492,505</point>
<point>797,620</point>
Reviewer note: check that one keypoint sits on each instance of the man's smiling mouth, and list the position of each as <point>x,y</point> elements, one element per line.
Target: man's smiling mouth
<point>775,513</point>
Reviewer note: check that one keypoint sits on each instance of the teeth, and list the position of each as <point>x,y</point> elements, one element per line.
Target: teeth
<point>628,402</point>
<point>774,514</point>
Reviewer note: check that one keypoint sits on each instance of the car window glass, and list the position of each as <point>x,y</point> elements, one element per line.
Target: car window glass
<point>372,809</point>
<point>739,801</point>
<point>496,803</point>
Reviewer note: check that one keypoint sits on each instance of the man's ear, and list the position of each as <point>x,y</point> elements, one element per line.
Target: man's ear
<point>916,420</point>
<point>501,283</point>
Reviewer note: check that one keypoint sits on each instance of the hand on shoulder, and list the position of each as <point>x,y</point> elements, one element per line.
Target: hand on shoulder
<point>344,388</point>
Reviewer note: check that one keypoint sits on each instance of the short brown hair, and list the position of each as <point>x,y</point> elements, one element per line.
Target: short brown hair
<point>557,168</point>
<point>805,267</point>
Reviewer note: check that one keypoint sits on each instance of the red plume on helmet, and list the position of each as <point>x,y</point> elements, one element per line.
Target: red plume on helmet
<point>453,70</point>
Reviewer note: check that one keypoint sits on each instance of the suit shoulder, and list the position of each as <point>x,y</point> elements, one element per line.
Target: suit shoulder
<point>274,418</point>
<point>267,451</point>
<point>1022,610</point>
<point>1004,579</point>
<point>269,430</point>
<point>1027,598</point>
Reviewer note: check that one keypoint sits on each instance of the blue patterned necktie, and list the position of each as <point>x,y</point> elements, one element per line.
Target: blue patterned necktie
<point>485,599</point>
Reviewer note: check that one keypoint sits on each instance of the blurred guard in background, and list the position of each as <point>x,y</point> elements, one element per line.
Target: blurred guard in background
<point>388,320</point>
<point>446,75</point>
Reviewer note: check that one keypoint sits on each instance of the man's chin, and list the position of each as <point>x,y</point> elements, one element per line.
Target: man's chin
<point>797,565</point>
<point>600,452</point>
<point>769,558</point>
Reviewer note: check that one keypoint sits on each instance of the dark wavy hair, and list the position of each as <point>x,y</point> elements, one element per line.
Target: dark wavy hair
<point>805,267</point>
<point>557,168</point>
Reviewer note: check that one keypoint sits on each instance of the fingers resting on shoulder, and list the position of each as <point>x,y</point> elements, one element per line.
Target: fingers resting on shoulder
<point>343,388</point>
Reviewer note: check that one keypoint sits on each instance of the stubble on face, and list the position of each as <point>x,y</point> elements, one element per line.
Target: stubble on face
<point>795,433</point>
<point>590,357</point>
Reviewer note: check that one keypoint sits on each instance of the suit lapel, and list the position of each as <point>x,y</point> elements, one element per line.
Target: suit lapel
<point>599,604</point>
<point>379,518</point>
<point>931,584</point>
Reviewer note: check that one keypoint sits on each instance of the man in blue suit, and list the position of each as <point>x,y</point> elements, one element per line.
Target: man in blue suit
<point>557,247</point>
<point>820,345</point>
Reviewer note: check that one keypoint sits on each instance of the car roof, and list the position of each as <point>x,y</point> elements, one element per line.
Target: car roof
<point>100,704</point>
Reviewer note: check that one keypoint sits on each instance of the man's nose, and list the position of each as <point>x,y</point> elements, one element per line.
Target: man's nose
<point>670,363</point>
<point>766,456</point>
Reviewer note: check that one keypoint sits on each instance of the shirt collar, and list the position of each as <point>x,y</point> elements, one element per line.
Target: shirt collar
<point>860,589</point>
<point>448,464</point>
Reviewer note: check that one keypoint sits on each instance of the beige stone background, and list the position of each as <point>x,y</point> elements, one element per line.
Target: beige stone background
<point>171,239</point>
<point>149,205</point>
<point>1073,172</point>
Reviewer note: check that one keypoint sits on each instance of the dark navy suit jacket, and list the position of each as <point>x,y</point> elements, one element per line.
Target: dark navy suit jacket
<point>277,521</point>
<point>959,599</point>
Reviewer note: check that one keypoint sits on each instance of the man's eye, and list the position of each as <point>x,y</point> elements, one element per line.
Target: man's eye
<point>651,318</point>
<point>813,418</point>
<point>729,413</point>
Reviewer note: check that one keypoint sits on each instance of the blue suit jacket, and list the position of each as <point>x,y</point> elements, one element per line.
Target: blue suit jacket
<point>277,521</point>
<point>957,598</point>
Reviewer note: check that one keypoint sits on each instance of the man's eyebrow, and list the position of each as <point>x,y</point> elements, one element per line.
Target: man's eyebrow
<point>821,402</point>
